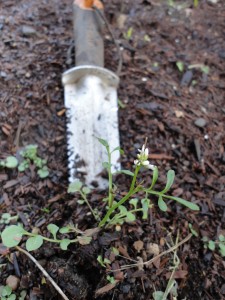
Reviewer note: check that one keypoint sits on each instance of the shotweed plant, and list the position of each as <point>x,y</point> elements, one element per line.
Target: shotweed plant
<point>116,212</point>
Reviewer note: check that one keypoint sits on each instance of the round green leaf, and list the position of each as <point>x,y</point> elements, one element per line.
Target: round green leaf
<point>212,245</point>
<point>221,238</point>
<point>53,229</point>
<point>12,297</point>
<point>130,217</point>
<point>11,162</point>
<point>74,186</point>
<point>43,173</point>
<point>162,204</point>
<point>12,235</point>
<point>222,249</point>
<point>64,244</point>
<point>86,190</point>
<point>34,242</point>
<point>6,291</point>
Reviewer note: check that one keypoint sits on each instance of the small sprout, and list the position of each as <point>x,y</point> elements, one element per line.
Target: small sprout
<point>43,173</point>
<point>180,66</point>
<point>11,162</point>
<point>147,38</point>
<point>128,34</point>
<point>121,104</point>
<point>134,202</point>
<point>194,232</point>
<point>111,279</point>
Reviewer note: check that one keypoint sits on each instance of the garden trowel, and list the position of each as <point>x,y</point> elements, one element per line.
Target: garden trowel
<point>90,99</point>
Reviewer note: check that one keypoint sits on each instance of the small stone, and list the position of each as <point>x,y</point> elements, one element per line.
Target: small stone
<point>28,30</point>
<point>13,282</point>
<point>200,122</point>
<point>152,248</point>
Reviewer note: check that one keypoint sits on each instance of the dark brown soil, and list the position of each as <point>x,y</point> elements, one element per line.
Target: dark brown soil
<point>181,113</point>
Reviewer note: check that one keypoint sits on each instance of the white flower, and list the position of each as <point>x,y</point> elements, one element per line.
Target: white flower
<point>142,158</point>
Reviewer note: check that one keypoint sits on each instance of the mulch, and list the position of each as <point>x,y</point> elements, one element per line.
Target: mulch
<point>181,112</point>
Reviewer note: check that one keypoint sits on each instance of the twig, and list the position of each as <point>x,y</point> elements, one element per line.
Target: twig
<point>114,40</point>
<point>44,272</point>
<point>156,257</point>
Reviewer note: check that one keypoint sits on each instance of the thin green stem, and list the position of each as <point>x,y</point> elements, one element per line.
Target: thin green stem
<point>131,192</point>
<point>88,204</point>
<point>110,201</point>
<point>48,239</point>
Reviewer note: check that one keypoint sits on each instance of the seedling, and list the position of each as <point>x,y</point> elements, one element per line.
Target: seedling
<point>6,293</point>
<point>6,218</point>
<point>128,34</point>
<point>204,69</point>
<point>180,66</point>
<point>102,261</point>
<point>215,245</point>
<point>116,212</point>
<point>10,162</point>
<point>29,155</point>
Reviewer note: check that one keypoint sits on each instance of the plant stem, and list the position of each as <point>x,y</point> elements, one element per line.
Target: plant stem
<point>48,239</point>
<point>124,199</point>
<point>88,204</point>
<point>110,201</point>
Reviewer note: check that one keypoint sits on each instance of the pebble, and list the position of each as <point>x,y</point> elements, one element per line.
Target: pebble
<point>28,30</point>
<point>13,282</point>
<point>200,122</point>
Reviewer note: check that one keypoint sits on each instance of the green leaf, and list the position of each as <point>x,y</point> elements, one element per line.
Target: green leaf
<point>180,66</point>
<point>162,204</point>
<point>2,163</point>
<point>43,173</point>
<point>81,202</point>
<point>22,295</point>
<point>111,279</point>
<point>100,260</point>
<point>103,142</point>
<point>194,232</point>
<point>12,235</point>
<point>170,180</point>
<point>115,251</point>
<point>134,202</point>
<point>64,230</point>
<point>222,249</point>
<point>122,209</point>
<point>128,35</point>
<point>11,162</point>
<point>205,239</point>
<point>118,149</point>
<point>121,104</point>
<point>212,245</point>
<point>12,297</point>
<point>23,166</point>
<point>145,206</point>
<point>154,177</point>
<point>158,295</point>
<point>34,243</point>
<point>64,244</point>
<point>107,261</point>
<point>86,190</point>
<point>186,203</point>
<point>130,217</point>
<point>127,172</point>
<point>6,291</point>
<point>221,238</point>
<point>53,229</point>
<point>205,69</point>
<point>106,165</point>
<point>74,186</point>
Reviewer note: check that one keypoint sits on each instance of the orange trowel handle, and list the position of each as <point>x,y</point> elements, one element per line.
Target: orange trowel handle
<point>88,27</point>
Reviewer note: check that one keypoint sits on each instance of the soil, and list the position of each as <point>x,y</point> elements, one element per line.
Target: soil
<point>182,112</point>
